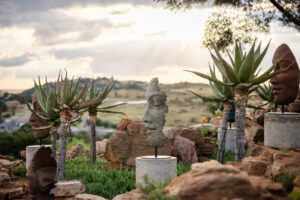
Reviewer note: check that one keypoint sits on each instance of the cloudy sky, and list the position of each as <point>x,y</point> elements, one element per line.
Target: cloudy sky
<point>126,39</point>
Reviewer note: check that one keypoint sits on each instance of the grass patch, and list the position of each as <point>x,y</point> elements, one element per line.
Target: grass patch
<point>183,168</point>
<point>229,156</point>
<point>98,179</point>
<point>107,182</point>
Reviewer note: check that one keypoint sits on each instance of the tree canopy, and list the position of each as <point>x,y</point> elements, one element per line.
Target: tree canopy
<point>264,11</point>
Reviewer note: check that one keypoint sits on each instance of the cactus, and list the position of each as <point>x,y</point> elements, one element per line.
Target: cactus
<point>99,96</point>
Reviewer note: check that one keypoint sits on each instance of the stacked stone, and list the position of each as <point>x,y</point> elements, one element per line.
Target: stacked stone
<point>72,190</point>
<point>9,188</point>
<point>130,141</point>
<point>204,145</point>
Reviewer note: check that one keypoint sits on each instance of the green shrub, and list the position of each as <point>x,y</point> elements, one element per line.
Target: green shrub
<point>286,179</point>
<point>106,182</point>
<point>155,191</point>
<point>100,180</point>
<point>183,168</point>
<point>19,171</point>
<point>12,143</point>
<point>228,156</point>
<point>294,195</point>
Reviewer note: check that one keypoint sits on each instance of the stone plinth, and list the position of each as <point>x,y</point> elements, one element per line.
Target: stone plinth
<point>162,168</point>
<point>30,151</point>
<point>230,139</point>
<point>282,130</point>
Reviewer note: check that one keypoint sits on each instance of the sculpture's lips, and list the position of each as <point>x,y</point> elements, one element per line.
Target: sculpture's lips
<point>276,90</point>
<point>149,127</point>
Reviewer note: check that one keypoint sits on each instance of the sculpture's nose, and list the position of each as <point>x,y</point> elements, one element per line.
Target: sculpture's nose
<point>274,80</point>
<point>147,117</point>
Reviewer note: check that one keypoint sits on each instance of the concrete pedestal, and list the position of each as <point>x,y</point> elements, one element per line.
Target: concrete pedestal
<point>30,151</point>
<point>162,168</point>
<point>230,139</point>
<point>282,130</point>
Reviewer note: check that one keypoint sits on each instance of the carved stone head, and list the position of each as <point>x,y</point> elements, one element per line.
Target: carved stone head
<point>286,84</point>
<point>37,122</point>
<point>154,117</point>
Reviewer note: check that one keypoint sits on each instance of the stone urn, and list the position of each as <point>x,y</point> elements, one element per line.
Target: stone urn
<point>230,139</point>
<point>282,131</point>
<point>157,169</point>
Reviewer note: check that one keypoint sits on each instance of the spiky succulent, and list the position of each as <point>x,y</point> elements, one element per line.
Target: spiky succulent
<point>243,67</point>
<point>221,93</point>
<point>265,92</point>
<point>46,97</point>
<point>99,96</point>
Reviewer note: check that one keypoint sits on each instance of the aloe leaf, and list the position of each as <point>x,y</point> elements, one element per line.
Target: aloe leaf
<point>259,59</point>
<point>81,95</point>
<point>112,112</point>
<point>209,78</point>
<point>247,68</point>
<point>111,106</point>
<point>208,98</point>
<point>238,57</point>
<point>215,90</point>
<point>36,114</point>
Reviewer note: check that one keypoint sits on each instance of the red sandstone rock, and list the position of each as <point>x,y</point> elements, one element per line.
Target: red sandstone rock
<point>211,180</point>
<point>186,149</point>
<point>132,195</point>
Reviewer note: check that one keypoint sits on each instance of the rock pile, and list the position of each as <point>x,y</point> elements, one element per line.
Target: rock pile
<point>264,161</point>
<point>130,141</point>
<point>211,180</point>
<point>9,187</point>
<point>204,146</point>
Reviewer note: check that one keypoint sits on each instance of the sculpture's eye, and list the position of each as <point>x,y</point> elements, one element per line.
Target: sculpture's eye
<point>157,100</point>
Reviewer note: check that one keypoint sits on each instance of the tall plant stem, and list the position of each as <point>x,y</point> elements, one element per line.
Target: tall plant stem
<point>62,153</point>
<point>93,139</point>
<point>241,97</point>
<point>223,133</point>
<point>53,143</point>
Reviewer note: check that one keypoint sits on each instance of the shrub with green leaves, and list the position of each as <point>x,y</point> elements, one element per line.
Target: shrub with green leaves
<point>99,179</point>
<point>155,191</point>
<point>19,171</point>
<point>286,179</point>
<point>183,168</point>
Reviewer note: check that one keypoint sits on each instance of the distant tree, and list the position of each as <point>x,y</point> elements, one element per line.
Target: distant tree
<point>2,107</point>
<point>288,11</point>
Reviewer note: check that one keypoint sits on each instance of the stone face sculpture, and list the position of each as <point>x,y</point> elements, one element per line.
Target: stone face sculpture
<point>154,117</point>
<point>285,84</point>
<point>37,122</point>
<point>41,174</point>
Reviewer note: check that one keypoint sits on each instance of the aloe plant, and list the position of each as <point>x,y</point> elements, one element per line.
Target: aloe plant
<point>46,97</point>
<point>99,96</point>
<point>242,73</point>
<point>62,105</point>
<point>224,95</point>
